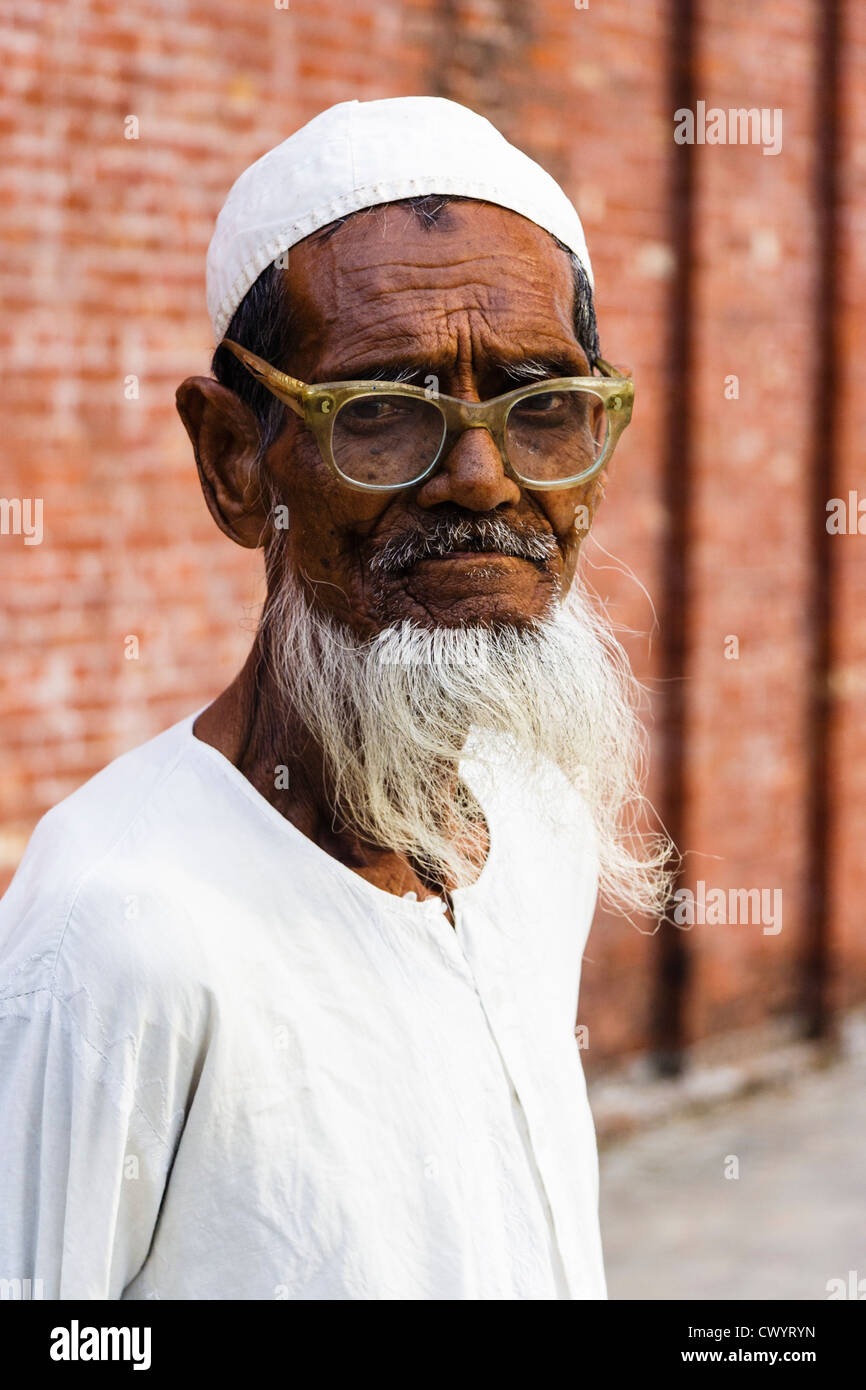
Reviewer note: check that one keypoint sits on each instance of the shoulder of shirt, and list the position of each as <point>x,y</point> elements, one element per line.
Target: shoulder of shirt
<point>130,1005</point>
<point>55,924</point>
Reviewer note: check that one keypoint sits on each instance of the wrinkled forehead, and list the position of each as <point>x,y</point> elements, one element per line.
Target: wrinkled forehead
<point>384,279</point>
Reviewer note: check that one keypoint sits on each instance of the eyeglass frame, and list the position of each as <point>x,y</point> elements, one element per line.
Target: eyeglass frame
<point>319,405</point>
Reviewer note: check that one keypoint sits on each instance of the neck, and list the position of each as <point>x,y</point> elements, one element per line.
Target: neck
<point>249,724</point>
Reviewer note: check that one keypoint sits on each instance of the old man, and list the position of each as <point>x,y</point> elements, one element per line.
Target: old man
<point>289,993</point>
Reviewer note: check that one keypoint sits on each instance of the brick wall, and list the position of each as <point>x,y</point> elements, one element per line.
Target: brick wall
<point>102,288</point>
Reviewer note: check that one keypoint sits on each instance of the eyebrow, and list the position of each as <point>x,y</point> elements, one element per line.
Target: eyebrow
<point>519,370</point>
<point>394,372</point>
<point>398,370</point>
<point>540,368</point>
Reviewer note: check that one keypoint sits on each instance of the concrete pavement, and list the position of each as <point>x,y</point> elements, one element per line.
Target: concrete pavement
<point>760,1197</point>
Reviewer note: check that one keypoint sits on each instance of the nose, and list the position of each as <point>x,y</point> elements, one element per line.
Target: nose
<point>471,475</point>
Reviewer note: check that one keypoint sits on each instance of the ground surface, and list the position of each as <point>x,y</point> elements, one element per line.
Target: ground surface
<point>675,1227</point>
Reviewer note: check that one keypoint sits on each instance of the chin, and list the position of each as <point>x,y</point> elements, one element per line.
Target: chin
<point>472,614</point>
<point>445,600</point>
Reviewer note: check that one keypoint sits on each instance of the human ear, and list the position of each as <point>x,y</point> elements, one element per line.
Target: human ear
<point>226,439</point>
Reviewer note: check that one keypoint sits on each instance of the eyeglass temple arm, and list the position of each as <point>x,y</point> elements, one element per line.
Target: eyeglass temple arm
<point>292,392</point>
<point>608,370</point>
<point>287,388</point>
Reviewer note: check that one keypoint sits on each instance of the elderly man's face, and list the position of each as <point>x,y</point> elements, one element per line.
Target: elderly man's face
<point>462,300</point>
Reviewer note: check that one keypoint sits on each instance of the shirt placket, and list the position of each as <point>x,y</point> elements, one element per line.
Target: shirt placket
<point>493,978</point>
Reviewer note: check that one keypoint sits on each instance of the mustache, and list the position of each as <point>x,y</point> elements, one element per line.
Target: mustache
<point>399,553</point>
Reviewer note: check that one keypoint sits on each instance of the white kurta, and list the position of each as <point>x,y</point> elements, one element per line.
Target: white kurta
<point>232,1068</point>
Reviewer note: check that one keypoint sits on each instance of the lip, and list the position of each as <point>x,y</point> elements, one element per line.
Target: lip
<point>474,557</point>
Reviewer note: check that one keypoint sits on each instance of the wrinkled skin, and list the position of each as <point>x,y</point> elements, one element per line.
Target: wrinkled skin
<point>482,286</point>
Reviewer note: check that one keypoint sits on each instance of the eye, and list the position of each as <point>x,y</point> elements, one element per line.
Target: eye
<point>543,403</point>
<point>375,409</point>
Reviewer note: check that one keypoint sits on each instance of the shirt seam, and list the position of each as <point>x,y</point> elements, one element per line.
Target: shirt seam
<point>106,855</point>
<point>51,985</point>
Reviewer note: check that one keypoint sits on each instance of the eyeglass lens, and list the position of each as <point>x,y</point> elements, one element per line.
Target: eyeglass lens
<point>391,440</point>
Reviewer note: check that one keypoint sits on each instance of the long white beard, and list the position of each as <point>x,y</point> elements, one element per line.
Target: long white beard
<point>391,715</point>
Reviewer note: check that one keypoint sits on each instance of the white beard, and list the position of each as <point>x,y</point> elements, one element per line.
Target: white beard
<point>392,714</point>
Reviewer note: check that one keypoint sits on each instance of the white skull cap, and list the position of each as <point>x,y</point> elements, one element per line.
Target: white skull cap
<point>360,153</point>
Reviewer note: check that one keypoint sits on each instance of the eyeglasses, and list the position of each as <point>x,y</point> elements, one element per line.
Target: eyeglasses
<point>379,436</point>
